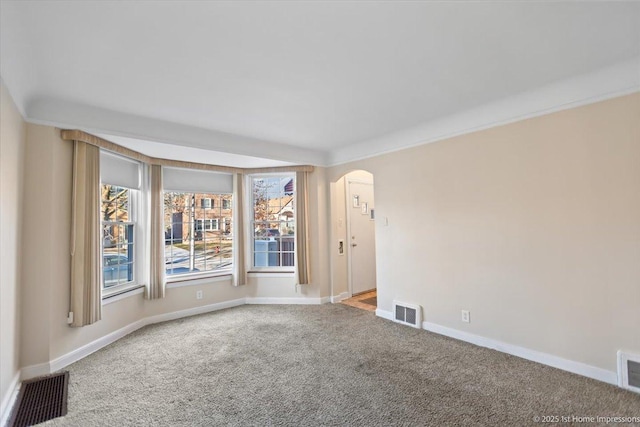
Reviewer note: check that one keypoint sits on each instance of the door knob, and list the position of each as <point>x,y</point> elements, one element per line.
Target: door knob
<point>354,245</point>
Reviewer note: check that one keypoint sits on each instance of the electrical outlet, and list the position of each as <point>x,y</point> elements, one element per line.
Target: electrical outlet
<point>466,316</point>
<point>198,294</point>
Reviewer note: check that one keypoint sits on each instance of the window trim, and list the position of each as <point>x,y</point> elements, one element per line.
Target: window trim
<point>181,277</point>
<point>272,274</point>
<point>253,270</point>
<point>138,248</point>
<point>197,275</point>
<point>124,293</point>
<point>210,221</point>
<point>190,280</point>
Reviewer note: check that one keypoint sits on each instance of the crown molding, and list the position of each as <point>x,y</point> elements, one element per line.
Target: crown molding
<point>614,81</point>
<point>618,80</point>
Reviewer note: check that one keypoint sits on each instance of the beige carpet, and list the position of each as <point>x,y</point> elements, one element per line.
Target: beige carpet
<point>329,365</point>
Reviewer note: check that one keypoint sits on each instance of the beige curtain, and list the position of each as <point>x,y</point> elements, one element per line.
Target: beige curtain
<point>239,268</point>
<point>302,228</point>
<point>86,266</point>
<point>156,287</point>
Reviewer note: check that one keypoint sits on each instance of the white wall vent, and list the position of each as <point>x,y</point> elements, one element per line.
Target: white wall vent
<point>407,314</point>
<point>629,371</point>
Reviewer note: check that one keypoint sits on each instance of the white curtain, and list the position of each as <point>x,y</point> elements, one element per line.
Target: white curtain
<point>86,265</point>
<point>239,268</point>
<point>156,287</point>
<point>302,228</point>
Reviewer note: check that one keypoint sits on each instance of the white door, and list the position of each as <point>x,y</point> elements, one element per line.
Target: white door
<point>361,237</point>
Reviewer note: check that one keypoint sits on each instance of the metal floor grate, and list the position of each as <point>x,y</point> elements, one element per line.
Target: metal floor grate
<point>41,399</point>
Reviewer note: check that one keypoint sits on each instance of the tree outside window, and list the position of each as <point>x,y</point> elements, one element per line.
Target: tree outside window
<point>273,221</point>
<point>117,236</point>
<point>195,241</point>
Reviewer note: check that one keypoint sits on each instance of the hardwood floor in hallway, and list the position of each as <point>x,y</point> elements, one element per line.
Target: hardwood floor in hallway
<point>358,301</point>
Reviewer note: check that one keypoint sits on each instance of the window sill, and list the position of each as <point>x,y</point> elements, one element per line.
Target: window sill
<point>273,274</point>
<point>124,293</point>
<point>179,282</point>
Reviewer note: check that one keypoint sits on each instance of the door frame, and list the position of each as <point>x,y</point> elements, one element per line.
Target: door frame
<point>349,208</point>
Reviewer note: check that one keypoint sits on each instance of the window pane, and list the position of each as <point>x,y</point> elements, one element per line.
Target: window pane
<point>194,227</point>
<point>117,238</point>
<point>108,210</point>
<point>200,258</point>
<point>274,221</point>
<point>122,204</point>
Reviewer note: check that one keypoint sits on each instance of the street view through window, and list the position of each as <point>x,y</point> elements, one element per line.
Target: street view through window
<point>117,236</point>
<point>274,222</point>
<point>198,232</point>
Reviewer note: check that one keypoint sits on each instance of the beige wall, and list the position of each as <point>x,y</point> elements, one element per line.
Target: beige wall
<point>46,288</point>
<point>277,286</point>
<point>339,268</point>
<point>44,195</point>
<point>319,234</point>
<point>12,142</point>
<point>533,226</point>
<point>46,335</point>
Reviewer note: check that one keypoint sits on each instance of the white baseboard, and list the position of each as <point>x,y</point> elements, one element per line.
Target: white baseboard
<point>9,399</point>
<point>325,300</point>
<point>75,355</point>
<point>514,350</point>
<point>525,353</point>
<point>92,347</point>
<point>269,300</point>
<point>33,371</point>
<point>337,298</point>
<point>79,353</point>
<point>384,314</point>
<point>194,311</point>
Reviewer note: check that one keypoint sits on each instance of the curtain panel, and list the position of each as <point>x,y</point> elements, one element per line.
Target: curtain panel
<point>156,286</point>
<point>86,265</point>
<point>239,266</point>
<point>86,301</point>
<point>302,226</point>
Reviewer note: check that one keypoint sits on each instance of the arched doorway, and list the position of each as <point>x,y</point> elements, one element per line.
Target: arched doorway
<point>354,261</point>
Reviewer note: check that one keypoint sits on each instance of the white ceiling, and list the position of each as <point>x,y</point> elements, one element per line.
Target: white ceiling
<point>308,82</point>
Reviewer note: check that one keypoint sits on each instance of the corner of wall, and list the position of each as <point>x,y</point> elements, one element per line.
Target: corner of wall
<point>12,149</point>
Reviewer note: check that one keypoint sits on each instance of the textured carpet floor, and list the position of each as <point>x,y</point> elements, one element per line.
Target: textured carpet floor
<point>329,365</point>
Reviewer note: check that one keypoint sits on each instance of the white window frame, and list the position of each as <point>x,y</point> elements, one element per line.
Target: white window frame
<point>138,244</point>
<point>208,224</point>
<point>193,275</point>
<point>250,241</point>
